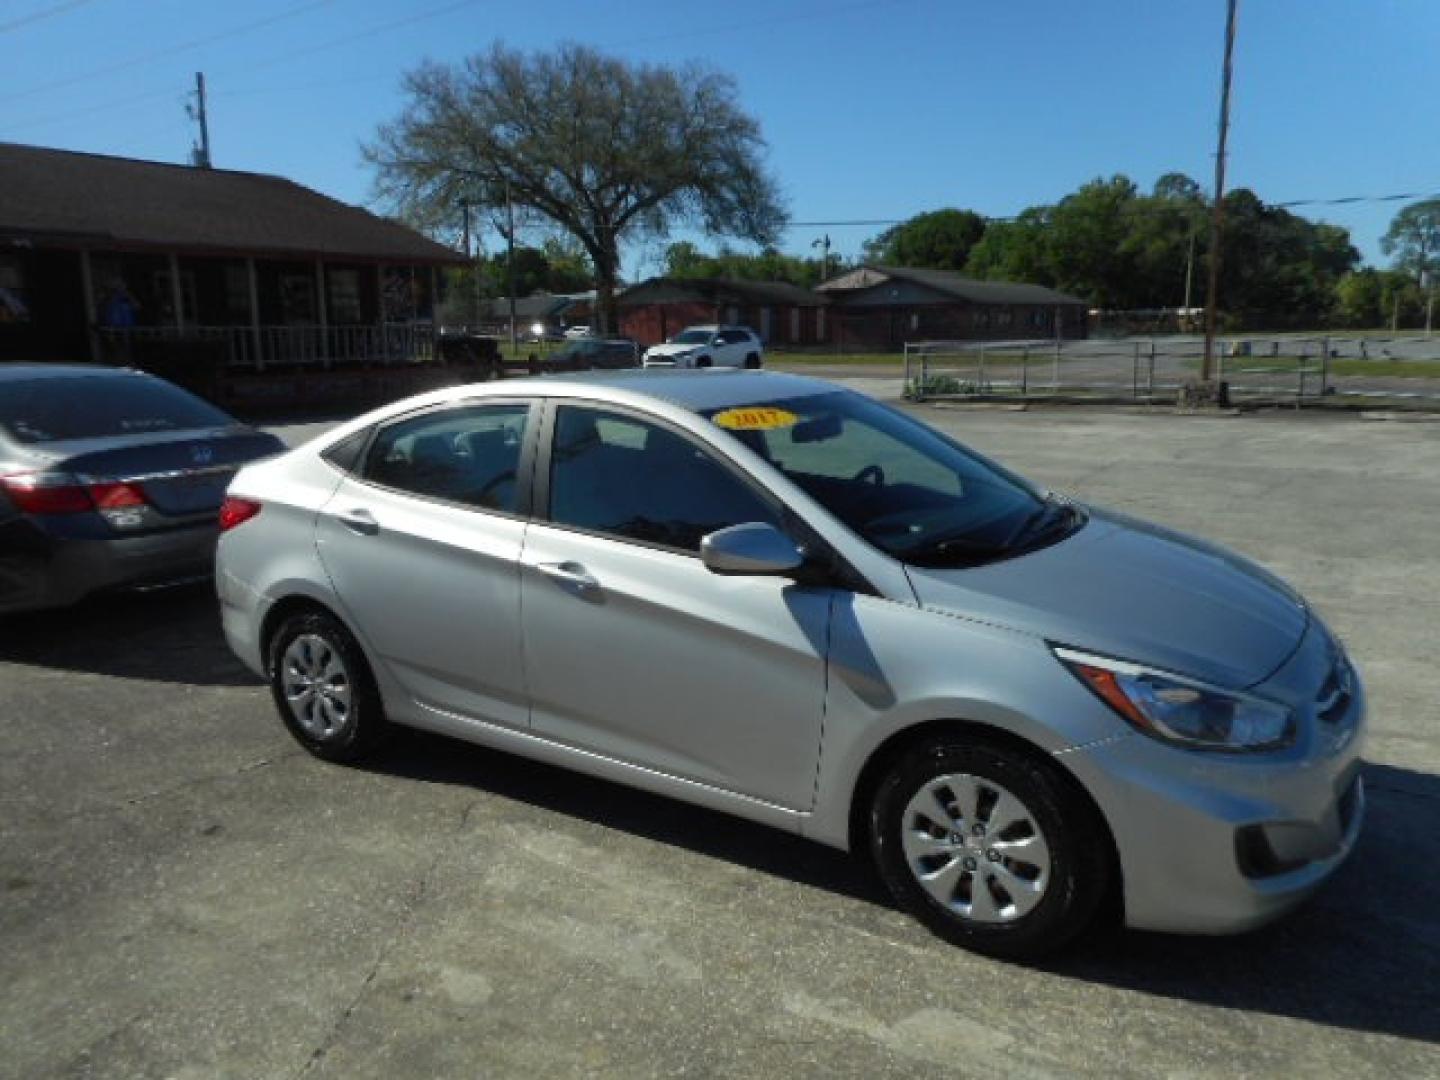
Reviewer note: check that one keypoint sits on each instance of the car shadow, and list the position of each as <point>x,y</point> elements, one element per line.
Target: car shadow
<point>1364,954</point>
<point>170,635</point>
<point>437,759</point>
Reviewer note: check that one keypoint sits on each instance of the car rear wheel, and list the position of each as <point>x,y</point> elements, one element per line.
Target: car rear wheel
<point>988,847</point>
<point>752,361</point>
<point>324,689</point>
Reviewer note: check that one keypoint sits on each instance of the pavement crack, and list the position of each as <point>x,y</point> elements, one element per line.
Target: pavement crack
<point>164,792</point>
<point>397,932</point>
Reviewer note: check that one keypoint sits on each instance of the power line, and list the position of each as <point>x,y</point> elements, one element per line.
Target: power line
<point>801,16</point>
<point>271,61</point>
<point>44,13</point>
<point>1343,200</point>
<point>170,50</point>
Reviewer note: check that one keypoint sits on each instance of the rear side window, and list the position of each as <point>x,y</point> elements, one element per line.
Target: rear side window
<point>612,473</point>
<point>468,455</point>
<point>101,406</point>
<point>345,454</point>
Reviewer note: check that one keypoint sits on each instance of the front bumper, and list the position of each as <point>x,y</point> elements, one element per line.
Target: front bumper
<point>49,571</point>
<point>1214,843</point>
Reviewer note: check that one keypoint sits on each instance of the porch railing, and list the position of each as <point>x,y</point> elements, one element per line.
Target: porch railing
<point>247,348</point>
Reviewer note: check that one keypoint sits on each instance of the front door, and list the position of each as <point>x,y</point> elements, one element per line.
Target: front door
<point>633,649</point>
<point>423,548</point>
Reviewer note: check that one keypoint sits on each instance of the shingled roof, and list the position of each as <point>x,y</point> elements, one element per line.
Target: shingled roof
<point>663,290</point>
<point>64,197</point>
<point>972,290</point>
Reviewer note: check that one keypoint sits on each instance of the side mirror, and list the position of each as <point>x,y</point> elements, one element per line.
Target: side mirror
<point>753,549</point>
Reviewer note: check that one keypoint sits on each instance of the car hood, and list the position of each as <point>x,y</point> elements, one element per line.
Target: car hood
<point>1129,589</point>
<point>670,349</point>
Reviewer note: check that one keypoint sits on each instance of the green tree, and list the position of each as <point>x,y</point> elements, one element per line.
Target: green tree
<point>1413,239</point>
<point>935,240</point>
<point>1017,250</point>
<point>684,260</point>
<point>603,149</point>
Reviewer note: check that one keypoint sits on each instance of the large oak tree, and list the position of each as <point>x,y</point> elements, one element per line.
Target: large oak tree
<point>604,150</point>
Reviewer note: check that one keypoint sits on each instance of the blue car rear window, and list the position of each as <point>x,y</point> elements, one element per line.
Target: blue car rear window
<point>100,406</point>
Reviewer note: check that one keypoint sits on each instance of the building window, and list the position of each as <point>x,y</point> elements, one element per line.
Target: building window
<point>1004,318</point>
<point>344,299</point>
<point>14,292</point>
<point>794,326</point>
<point>914,322</point>
<point>237,294</point>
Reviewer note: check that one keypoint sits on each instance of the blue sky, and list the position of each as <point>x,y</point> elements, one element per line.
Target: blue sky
<point>873,109</point>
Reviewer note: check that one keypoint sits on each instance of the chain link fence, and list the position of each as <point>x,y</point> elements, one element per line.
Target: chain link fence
<point>1286,369</point>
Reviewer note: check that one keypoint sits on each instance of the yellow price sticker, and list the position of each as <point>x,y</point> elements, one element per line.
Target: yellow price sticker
<point>756,418</point>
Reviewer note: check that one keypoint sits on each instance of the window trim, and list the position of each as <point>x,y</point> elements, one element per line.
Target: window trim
<point>524,468</point>
<point>543,464</point>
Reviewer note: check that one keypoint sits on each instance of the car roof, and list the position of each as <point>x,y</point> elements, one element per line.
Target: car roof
<point>27,372</point>
<point>693,390</point>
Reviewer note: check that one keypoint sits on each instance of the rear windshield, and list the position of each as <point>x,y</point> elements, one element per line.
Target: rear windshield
<point>691,337</point>
<point>100,406</point>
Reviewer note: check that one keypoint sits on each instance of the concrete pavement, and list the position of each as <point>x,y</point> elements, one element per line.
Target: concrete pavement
<point>186,894</point>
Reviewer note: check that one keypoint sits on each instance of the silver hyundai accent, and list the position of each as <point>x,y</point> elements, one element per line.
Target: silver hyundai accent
<point>778,598</point>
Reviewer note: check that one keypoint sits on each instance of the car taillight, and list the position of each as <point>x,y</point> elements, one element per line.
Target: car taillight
<point>47,493</point>
<point>116,496</point>
<point>63,493</point>
<point>235,511</point>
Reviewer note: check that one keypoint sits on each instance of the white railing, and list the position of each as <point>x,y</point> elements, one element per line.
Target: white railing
<point>257,348</point>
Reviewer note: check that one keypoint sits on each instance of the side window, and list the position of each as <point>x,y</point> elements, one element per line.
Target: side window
<point>614,474</point>
<point>735,337</point>
<point>467,455</point>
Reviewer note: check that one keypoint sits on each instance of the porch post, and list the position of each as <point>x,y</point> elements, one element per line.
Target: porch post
<point>379,349</point>
<point>255,314</point>
<point>87,282</point>
<point>321,312</point>
<point>176,294</point>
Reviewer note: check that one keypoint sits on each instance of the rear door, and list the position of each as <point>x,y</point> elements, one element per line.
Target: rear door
<point>422,545</point>
<point>633,649</point>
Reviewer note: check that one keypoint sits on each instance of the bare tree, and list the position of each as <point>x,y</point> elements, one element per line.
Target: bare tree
<point>605,150</point>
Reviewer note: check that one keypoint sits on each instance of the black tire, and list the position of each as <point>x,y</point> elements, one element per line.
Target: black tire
<point>752,361</point>
<point>327,734</point>
<point>703,362</point>
<point>1074,882</point>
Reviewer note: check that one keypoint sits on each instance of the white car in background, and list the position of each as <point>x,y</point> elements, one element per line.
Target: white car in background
<point>709,346</point>
<point>576,333</point>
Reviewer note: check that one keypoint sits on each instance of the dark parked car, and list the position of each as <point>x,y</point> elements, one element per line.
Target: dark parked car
<point>109,478</point>
<point>585,354</point>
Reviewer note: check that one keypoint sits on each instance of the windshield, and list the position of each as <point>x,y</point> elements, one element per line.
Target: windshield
<point>691,337</point>
<point>100,406</point>
<point>898,483</point>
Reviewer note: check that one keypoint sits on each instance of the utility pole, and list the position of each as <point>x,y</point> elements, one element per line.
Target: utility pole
<point>1207,368</point>
<point>824,245</point>
<point>510,263</point>
<point>1189,269</point>
<point>200,155</point>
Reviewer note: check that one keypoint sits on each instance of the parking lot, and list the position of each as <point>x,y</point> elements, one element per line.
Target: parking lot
<point>186,893</point>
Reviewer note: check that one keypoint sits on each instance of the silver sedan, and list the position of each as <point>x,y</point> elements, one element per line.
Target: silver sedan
<point>780,599</point>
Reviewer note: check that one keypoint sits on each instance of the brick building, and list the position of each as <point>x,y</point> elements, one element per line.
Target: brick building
<point>886,306</point>
<point>782,314</point>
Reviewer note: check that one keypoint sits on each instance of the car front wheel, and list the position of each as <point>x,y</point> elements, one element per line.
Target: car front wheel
<point>988,847</point>
<point>324,689</point>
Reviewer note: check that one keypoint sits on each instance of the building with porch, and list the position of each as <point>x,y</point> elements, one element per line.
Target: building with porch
<point>124,261</point>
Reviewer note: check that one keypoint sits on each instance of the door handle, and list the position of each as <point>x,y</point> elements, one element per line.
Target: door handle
<point>571,573</point>
<point>359,521</point>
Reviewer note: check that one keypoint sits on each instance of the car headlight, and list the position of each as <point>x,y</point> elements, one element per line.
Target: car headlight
<point>1182,711</point>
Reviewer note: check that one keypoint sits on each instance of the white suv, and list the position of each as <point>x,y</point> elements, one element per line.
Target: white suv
<point>708,346</point>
